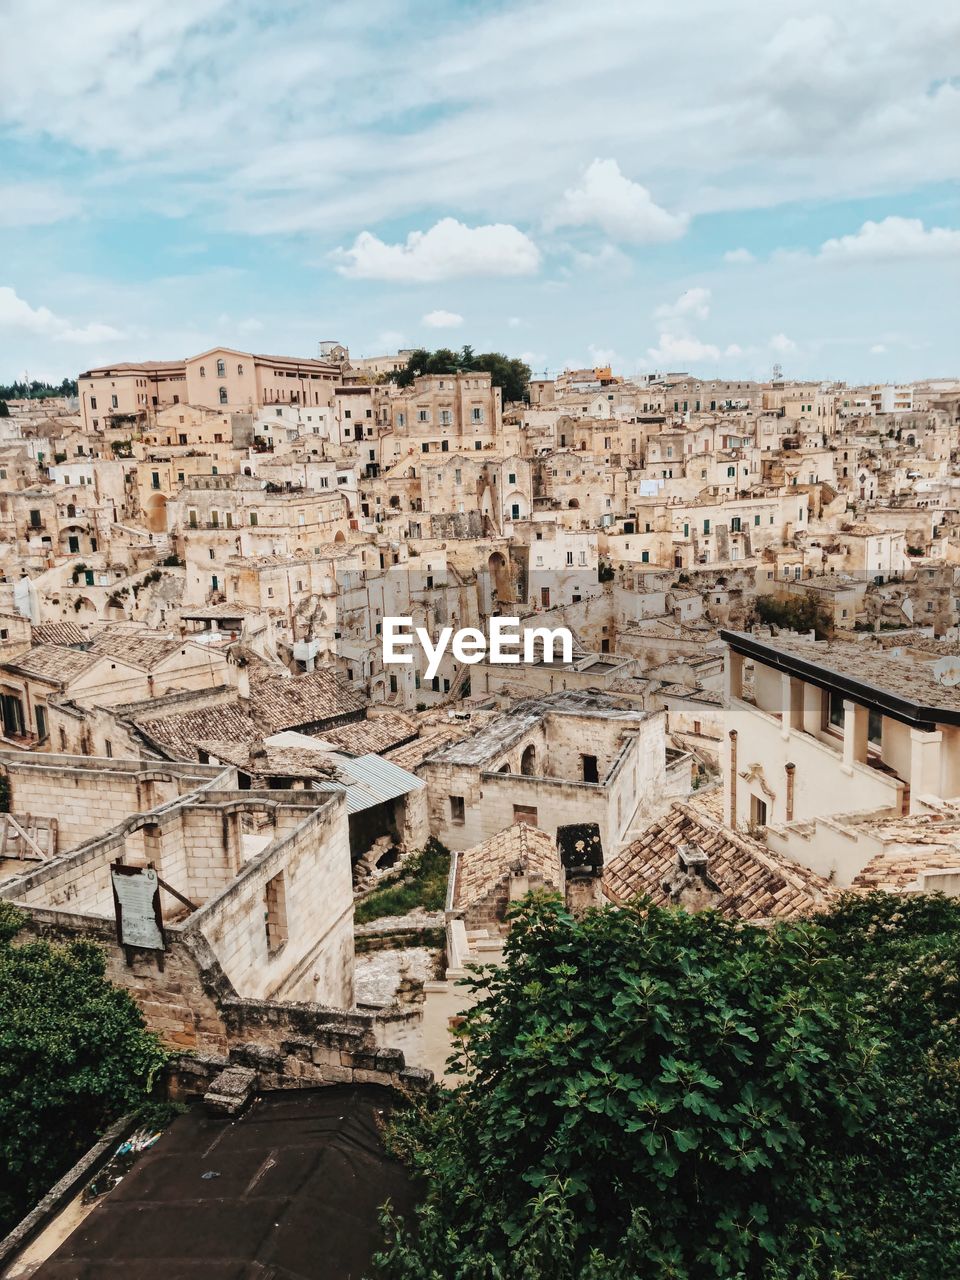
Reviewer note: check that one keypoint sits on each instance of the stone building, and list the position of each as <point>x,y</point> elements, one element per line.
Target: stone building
<point>566,757</point>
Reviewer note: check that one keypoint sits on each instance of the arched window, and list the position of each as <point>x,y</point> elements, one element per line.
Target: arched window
<point>240,370</point>
<point>221,369</point>
<point>528,761</point>
<point>71,510</point>
<point>203,372</point>
<point>223,395</point>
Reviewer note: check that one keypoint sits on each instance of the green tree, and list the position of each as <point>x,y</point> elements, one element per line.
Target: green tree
<point>74,1055</point>
<point>796,613</point>
<point>657,1096</point>
<point>510,374</point>
<point>649,1094</point>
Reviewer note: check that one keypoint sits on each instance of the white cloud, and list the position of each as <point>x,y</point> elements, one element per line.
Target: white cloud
<point>781,343</point>
<point>17,314</point>
<point>447,250</point>
<point>692,304</point>
<point>607,258</point>
<point>893,238</point>
<point>35,204</point>
<point>733,350</point>
<point>738,256</point>
<point>514,322</point>
<point>878,349</point>
<point>442,320</point>
<point>623,209</point>
<point>676,350</point>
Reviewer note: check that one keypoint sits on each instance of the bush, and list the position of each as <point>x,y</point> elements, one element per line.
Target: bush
<point>423,884</point>
<point>796,613</point>
<point>653,1095</point>
<point>74,1056</point>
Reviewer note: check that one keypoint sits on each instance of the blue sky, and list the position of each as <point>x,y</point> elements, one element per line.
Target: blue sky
<point>665,185</point>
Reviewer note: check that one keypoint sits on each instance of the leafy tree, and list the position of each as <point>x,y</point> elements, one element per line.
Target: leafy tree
<point>74,1055</point>
<point>510,374</point>
<point>4,409</point>
<point>648,1094</point>
<point>652,1095</point>
<point>796,613</point>
<point>35,390</point>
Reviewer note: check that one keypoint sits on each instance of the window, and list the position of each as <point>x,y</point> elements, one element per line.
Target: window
<point>223,395</point>
<point>756,520</point>
<point>203,372</point>
<point>423,415</point>
<point>477,415</point>
<point>275,913</point>
<point>93,402</point>
<point>735,524</point>
<point>706,526</point>
<point>731,472</point>
<point>589,769</point>
<point>525,814</point>
<point>108,748</point>
<point>221,369</point>
<point>758,811</point>
<point>155,479</point>
<point>240,370</point>
<point>512,478</point>
<point>569,557</point>
<point>457,810</point>
<point>114,403</point>
<point>645,557</point>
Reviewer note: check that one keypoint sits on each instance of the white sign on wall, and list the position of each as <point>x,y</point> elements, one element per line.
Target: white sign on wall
<point>136,896</point>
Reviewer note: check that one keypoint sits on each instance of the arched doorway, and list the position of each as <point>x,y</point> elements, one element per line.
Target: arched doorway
<point>528,761</point>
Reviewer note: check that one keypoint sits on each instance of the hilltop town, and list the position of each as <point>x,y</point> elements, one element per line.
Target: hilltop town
<point>759,709</point>
<point>759,580</point>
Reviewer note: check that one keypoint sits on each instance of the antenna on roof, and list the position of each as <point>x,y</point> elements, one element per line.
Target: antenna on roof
<point>777,375</point>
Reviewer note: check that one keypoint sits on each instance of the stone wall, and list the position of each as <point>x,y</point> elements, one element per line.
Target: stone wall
<point>90,796</point>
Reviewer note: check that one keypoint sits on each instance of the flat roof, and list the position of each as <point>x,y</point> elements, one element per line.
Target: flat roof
<point>291,1188</point>
<point>906,691</point>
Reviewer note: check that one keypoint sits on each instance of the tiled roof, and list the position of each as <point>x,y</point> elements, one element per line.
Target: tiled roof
<point>285,702</point>
<point>176,736</point>
<point>378,735</point>
<point>912,845</point>
<point>53,662</point>
<point>481,868</point>
<point>146,649</point>
<point>67,634</point>
<point>752,883</point>
<point>276,703</point>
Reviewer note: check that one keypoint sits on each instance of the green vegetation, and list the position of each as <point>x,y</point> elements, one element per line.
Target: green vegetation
<point>796,613</point>
<point>37,390</point>
<point>653,1095</point>
<point>74,1056</point>
<point>511,375</point>
<point>422,883</point>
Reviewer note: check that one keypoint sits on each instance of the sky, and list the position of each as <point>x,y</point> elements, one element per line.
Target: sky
<point>662,185</point>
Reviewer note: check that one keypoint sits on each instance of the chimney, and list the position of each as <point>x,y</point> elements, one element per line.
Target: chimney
<point>581,857</point>
<point>691,886</point>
